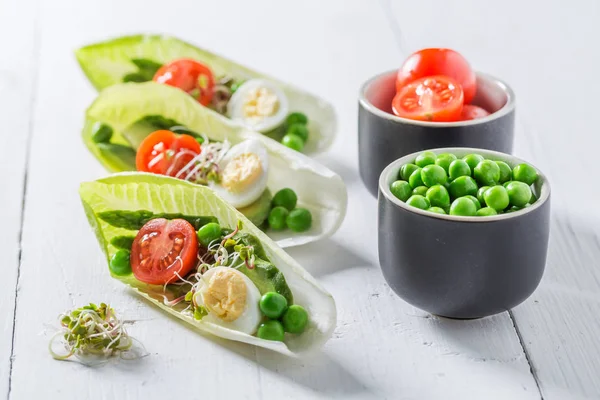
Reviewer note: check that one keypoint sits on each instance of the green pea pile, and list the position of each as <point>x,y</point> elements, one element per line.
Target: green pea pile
<point>281,318</point>
<point>471,186</point>
<point>285,214</point>
<point>296,133</point>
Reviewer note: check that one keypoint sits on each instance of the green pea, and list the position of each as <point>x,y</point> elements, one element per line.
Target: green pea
<point>487,173</point>
<point>452,156</point>
<point>271,330</point>
<point>480,193</point>
<point>425,158</point>
<point>406,171</point>
<point>296,118</point>
<point>299,220</point>
<point>505,172</point>
<point>486,212</point>
<point>293,142</point>
<point>436,210</point>
<point>432,175</point>
<point>475,201</point>
<point>415,179</point>
<point>519,193</point>
<point>473,160</point>
<point>463,186</point>
<point>525,173</point>
<point>438,196</point>
<point>299,130</point>
<point>459,168</point>
<point>235,86</point>
<point>119,263</point>
<point>533,198</point>
<point>209,233</point>
<point>444,160</point>
<point>286,198</point>
<point>421,190</point>
<point>416,200</point>
<point>295,319</point>
<point>272,304</point>
<point>496,197</point>
<point>401,189</point>
<point>101,133</point>
<point>463,206</point>
<point>277,218</point>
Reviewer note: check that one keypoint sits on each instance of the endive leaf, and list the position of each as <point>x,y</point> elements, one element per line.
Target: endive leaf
<point>122,107</point>
<point>162,194</point>
<point>107,63</point>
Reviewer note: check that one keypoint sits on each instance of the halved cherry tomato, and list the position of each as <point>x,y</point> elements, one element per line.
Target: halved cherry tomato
<point>163,152</point>
<point>436,61</point>
<point>434,98</point>
<point>164,249</point>
<point>472,112</point>
<point>190,76</point>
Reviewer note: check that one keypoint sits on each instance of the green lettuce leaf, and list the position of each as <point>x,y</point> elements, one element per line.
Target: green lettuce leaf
<point>161,194</point>
<point>122,107</point>
<point>107,63</point>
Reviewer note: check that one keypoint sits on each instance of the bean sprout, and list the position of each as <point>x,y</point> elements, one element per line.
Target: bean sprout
<point>91,331</point>
<point>202,167</point>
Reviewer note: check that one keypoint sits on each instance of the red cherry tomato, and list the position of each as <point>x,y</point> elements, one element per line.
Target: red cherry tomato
<point>434,98</point>
<point>472,112</point>
<point>435,61</point>
<point>190,76</point>
<point>164,249</point>
<point>163,152</point>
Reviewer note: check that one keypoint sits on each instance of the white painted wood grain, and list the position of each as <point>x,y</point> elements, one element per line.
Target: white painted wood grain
<point>547,51</point>
<point>17,78</point>
<point>382,347</point>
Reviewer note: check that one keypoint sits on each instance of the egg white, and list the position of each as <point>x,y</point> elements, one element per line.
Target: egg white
<point>249,320</point>
<point>236,105</point>
<point>249,196</point>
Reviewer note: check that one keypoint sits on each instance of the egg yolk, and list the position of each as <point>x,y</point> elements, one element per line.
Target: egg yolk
<point>225,295</point>
<point>260,103</point>
<point>241,172</point>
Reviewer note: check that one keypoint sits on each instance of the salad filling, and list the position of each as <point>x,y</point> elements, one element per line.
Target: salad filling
<point>257,104</point>
<point>217,273</point>
<point>238,173</point>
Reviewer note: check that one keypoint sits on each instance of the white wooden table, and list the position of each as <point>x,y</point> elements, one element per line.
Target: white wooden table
<point>548,347</point>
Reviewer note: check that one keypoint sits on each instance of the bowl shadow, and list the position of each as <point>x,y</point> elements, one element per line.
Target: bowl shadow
<point>316,257</point>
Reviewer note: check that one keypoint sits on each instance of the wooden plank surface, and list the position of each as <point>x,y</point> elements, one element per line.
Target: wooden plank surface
<point>548,53</point>
<point>382,347</point>
<point>18,71</point>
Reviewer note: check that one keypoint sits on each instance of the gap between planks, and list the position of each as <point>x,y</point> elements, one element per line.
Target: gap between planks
<point>396,30</point>
<point>527,357</point>
<point>32,103</point>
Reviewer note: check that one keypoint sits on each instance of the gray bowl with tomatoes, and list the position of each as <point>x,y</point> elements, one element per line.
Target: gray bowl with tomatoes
<point>435,100</point>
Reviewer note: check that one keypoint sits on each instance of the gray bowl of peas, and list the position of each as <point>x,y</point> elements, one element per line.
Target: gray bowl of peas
<point>463,232</point>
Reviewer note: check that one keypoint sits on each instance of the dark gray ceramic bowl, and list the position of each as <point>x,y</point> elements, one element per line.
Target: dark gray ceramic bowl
<point>384,137</point>
<point>462,267</point>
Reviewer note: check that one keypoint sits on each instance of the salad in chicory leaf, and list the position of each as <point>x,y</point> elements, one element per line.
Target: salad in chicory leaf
<point>156,128</point>
<point>299,120</point>
<point>190,253</point>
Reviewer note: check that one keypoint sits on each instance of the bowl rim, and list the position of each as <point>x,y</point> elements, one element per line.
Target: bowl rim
<point>506,109</point>
<point>384,187</point>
